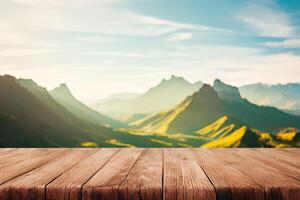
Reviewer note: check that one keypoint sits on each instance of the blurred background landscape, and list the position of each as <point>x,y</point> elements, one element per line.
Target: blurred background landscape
<point>145,73</point>
<point>174,113</point>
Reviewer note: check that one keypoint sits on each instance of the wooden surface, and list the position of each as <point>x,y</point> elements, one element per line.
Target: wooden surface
<point>203,174</point>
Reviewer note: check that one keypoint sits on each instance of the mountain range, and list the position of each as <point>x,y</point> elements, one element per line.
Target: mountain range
<point>175,113</point>
<point>211,103</point>
<point>163,96</point>
<point>31,117</point>
<point>63,96</point>
<point>283,96</point>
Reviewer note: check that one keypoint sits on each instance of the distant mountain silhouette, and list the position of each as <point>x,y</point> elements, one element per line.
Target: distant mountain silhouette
<point>163,96</point>
<point>120,96</point>
<point>207,105</point>
<point>227,92</point>
<point>30,117</point>
<point>283,96</point>
<point>213,116</point>
<point>42,124</point>
<point>63,96</point>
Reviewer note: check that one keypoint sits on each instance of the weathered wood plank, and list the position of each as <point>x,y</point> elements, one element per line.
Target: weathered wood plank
<point>5,150</point>
<point>282,156</point>
<point>12,167</point>
<point>294,151</point>
<point>149,174</point>
<point>276,185</point>
<point>229,182</point>
<point>105,183</point>
<point>183,177</point>
<point>69,184</point>
<point>145,179</point>
<point>270,162</point>
<point>32,185</point>
<point>19,155</point>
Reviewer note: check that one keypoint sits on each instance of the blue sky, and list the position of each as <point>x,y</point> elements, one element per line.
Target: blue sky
<point>101,47</point>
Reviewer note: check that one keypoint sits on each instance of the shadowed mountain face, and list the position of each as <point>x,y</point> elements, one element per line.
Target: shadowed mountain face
<point>207,105</point>
<point>63,96</point>
<point>227,92</point>
<point>41,125</point>
<point>215,116</point>
<point>164,96</point>
<point>30,117</point>
<point>286,97</point>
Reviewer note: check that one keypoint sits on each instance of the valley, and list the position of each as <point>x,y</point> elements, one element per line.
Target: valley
<point>175,113</point>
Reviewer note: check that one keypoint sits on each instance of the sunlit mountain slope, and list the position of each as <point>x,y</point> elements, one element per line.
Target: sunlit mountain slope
<point>207,105</point>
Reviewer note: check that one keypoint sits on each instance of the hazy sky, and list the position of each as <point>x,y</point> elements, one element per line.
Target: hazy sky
<point>100,47</point>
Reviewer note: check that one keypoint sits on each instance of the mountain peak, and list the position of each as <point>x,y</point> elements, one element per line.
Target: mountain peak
<point>176,78</point>
<point>63,91</point>
<point>173,76</point>
<point>208,92</point>
<point>219,83</point>
<point>173,81</point>
<point>227,92</point>
<point>62,86</point>
<point>206,88</point>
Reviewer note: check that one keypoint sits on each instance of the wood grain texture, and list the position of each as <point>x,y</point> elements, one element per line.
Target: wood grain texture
<point>276,185</point>
<point>4,151</point>
<point>105,183</point>
<point>32,185</point>
<point>148,174</point>
<point>293,151</point>
<point>183,177</point>
<point>25,161</point>
<point>19,155</point>
<point>281,156</point>
<point>68,185</point>
<point>255,155</point>
<point>145,179</point>
<point>229,182</point>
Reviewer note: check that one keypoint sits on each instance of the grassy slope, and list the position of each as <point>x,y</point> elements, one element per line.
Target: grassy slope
<point>29,121</point>
<point>205,106</point>
<point>35,119</point>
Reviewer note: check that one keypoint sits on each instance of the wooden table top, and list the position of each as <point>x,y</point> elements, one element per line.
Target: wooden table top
<point>150,174</point>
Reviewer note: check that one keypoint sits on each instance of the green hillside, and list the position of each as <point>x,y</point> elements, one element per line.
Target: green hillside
<point>223,133</point>
<point>35,119</point>
<point>212,117</point>
<point>206,105</point>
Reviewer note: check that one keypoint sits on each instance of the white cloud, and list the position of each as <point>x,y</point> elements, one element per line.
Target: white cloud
<point>94,39</point>
<point>266,19</point>
<point>176,37</point>
<point>119,54</point>
<point>122,71</point>
<point>103,17</point>
<point>25,52</point>
<point>290,43</point>
<point>34,25</point>
<point>65,3</point>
